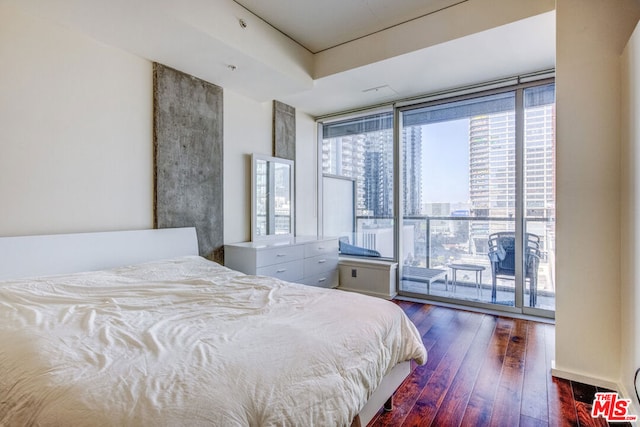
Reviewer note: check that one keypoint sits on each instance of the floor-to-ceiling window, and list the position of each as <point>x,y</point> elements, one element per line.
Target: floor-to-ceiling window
<point>481,200</point>
<point>466,192</point>
<point>475,197</point>
<point>358,192</point>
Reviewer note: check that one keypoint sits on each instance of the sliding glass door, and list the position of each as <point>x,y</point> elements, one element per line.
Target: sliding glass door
<point>539,192</point>
<point>477,192</point>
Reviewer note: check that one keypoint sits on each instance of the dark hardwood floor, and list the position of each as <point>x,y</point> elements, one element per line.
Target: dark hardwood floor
<point>485,370</point>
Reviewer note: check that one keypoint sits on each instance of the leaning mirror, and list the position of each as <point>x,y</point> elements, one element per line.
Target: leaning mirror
<point>271,197</point>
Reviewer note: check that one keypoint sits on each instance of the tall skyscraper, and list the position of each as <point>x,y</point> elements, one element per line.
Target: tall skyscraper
<point>412,170</point>
<point>492,168</point>
<point>369,159</point>
<point>492,164</point>
<point>539,148</point>
<point>378,174</point>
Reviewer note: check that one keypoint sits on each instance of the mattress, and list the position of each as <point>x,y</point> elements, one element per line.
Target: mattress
<point>187,341</point>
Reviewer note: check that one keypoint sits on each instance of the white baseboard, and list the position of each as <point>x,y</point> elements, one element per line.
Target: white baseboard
<point>581,378</point>
<point>598,382</point>
<point>627,394</point>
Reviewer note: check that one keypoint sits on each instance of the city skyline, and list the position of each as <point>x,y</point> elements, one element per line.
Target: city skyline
<point>467,161</point>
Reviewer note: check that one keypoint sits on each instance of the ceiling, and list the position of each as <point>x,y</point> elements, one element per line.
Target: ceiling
<point>321,25</point>
<point>323,57</point>
<point>510,50</point>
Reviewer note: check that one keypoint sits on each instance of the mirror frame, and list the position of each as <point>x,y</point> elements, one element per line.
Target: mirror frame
<point>254,235</point>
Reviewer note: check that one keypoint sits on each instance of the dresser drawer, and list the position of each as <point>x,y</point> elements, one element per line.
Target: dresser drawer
<point>328,279</point>
<point>320,264</point>
<point>302,260</point>
<point>321,247</point>
<point>278,255</point>
<point>289,271</point>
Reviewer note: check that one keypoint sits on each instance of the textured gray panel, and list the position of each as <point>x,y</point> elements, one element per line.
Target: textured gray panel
<point>284,131</point>
<point>188,157</point>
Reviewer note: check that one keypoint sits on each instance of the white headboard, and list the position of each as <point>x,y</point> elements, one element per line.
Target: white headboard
<point>28,256</point>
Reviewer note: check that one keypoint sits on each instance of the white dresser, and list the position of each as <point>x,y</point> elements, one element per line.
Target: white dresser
<point>306,260</point>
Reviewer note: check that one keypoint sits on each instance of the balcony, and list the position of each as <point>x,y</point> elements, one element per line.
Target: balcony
<point>437,242</point>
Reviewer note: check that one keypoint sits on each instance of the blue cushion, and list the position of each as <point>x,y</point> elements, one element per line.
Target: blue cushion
<point>349,249</point>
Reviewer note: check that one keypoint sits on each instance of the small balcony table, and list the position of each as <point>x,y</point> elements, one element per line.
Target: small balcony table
<point>478,269</point>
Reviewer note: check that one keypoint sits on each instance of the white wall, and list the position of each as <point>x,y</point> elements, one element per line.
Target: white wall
<point>247,130</point>
<point>306,175</point>
<point>75,140</point>
<point>630,187</point>
<point>590,38</point>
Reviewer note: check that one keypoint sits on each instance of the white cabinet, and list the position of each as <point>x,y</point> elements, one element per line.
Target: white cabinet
<point>306,260</point>
<point>370,277</point>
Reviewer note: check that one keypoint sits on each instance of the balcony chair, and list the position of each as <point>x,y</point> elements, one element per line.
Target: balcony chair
<point>503,263</point>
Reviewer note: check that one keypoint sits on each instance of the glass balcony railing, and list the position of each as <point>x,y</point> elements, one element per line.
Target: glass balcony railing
<point>432,244</point>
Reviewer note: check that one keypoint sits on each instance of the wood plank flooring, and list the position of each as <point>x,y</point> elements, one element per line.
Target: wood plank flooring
<point>485,370</point>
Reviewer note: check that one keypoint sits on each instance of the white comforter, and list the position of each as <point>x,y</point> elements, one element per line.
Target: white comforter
<point>187,342</point>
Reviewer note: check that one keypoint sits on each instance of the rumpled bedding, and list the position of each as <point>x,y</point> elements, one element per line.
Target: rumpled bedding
<point>189,342</point>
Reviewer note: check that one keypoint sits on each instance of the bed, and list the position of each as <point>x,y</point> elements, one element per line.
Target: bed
<point>135,329</point>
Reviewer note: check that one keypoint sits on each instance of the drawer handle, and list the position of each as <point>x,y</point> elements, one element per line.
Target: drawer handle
<point>322,280</point>
<point>320,248</point>
<point>322,261</point>
<point>282,270</point>
<point>281,255</point>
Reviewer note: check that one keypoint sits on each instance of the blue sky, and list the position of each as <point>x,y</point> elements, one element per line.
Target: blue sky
<point>445,161</point>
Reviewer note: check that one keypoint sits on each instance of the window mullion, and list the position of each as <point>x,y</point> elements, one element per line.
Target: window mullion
<point>519,199</point>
